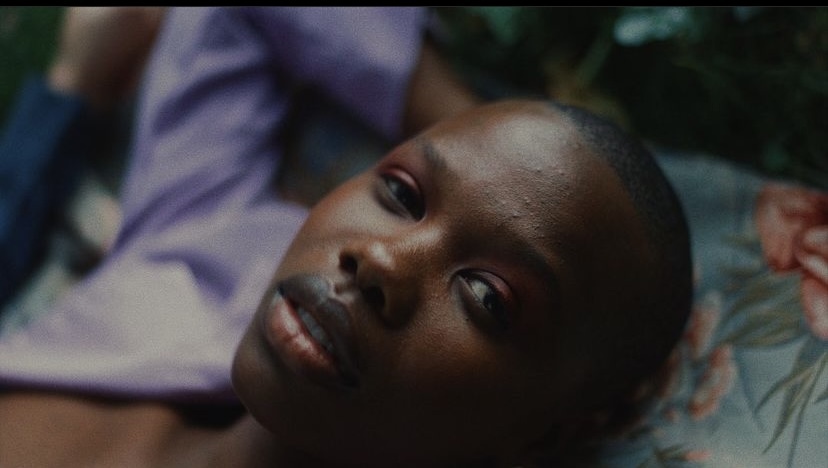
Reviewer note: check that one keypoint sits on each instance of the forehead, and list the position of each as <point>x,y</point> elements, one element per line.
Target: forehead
<point>523,170</point>
<point>523,162</point>
<point>510,140</point>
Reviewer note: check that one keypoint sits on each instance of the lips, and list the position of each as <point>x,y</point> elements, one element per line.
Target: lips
<point>311,331</point>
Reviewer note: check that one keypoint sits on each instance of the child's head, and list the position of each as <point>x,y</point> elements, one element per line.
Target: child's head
<point>496,280</point>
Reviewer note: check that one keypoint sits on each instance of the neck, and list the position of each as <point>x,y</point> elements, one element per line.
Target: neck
<point>247,444</point>
<point>90,431</point>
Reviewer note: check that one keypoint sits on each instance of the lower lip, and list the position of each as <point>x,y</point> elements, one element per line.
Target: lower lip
<point>286,335</point>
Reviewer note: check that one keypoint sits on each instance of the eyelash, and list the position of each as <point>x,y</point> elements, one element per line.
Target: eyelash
<point>496,307</point>
<point>404,198</point>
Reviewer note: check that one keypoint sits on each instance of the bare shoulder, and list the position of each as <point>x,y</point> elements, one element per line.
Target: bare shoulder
<point>46,429</point>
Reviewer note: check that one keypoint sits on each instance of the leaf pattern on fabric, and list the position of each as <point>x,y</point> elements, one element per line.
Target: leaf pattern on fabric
<point>754,355</point>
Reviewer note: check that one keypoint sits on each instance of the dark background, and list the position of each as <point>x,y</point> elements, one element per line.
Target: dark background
<point>749,84</point>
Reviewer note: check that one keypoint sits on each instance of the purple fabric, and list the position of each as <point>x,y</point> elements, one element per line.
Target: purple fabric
<point>203,227</point>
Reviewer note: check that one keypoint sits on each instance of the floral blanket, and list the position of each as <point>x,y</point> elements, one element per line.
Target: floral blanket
<point>748,384</point>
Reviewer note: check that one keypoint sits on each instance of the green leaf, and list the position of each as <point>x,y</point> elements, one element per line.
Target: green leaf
<point>812,352</point>
<point>800,385</point>
<point>743,274</point>
<point>794,397</point>
<point>671,452</point>
<point>647,463</point>
<point>776,158</point>
<point>801,414</point>
<point>823,396</point>
<point>503,22</point>
<point>748,241</point>
<point>811,356</point>
<point>767,327</point>
<point>764,288</point>
<point>773,337</point>
<point>666,457</point>
<point>637,26</point>
<point>28,36</point>
<point>793,379</point>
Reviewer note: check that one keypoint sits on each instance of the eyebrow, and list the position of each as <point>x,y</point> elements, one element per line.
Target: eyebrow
<point>535,261</point>
<point>528,253</point>
<point>435,160</point>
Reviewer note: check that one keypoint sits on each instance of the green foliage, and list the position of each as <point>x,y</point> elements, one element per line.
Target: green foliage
<point>768,312</point>
<point>27,41</point>
<point>745,83</point>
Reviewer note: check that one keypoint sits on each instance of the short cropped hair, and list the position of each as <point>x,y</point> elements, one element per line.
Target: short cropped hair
<point>642,339</point>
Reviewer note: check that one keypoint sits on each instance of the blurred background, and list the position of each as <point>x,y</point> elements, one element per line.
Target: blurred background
<point>749,84</point>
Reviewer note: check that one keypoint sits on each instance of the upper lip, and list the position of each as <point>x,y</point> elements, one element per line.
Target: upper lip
<point>315,294</point>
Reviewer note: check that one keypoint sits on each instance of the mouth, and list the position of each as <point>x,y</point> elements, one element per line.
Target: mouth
<point>310,330</point>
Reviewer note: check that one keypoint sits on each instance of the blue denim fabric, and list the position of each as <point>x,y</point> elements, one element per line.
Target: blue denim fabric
<point>42,151</point>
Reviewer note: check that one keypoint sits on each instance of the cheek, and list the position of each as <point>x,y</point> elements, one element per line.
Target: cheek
<point>341,215</point>
<point>254,380</point>
<point>354,199</point>
<point>465,387</point>
<point>349,205</point>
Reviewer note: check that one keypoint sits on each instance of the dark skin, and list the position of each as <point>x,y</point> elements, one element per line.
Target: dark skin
<point>464,261</point>
<point>465,264</point>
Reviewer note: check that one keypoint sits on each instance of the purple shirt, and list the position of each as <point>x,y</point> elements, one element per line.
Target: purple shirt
<point>203,226</point>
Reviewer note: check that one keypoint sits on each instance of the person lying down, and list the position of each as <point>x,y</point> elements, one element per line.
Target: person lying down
<point>490,293</point>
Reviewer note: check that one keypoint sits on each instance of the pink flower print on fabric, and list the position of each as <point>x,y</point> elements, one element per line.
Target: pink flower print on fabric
<point>792,223</point>
<point>812,254</point>
<point>714,384</point>
<point>702,323</point>
<point>697,456</point>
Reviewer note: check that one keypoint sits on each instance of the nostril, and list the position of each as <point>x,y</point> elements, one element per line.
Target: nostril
<point>374,297</point>
<point>366,277</point>
<point>348,263</point>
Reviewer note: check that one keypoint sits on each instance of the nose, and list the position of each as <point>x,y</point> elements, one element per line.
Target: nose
<point>390,273</point>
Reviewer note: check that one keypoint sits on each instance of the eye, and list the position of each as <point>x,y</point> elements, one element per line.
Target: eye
<point>402,195</point>
<point>488,298</point>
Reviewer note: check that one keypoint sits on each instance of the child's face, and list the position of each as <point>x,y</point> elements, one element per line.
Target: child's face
<point>456,282</point>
